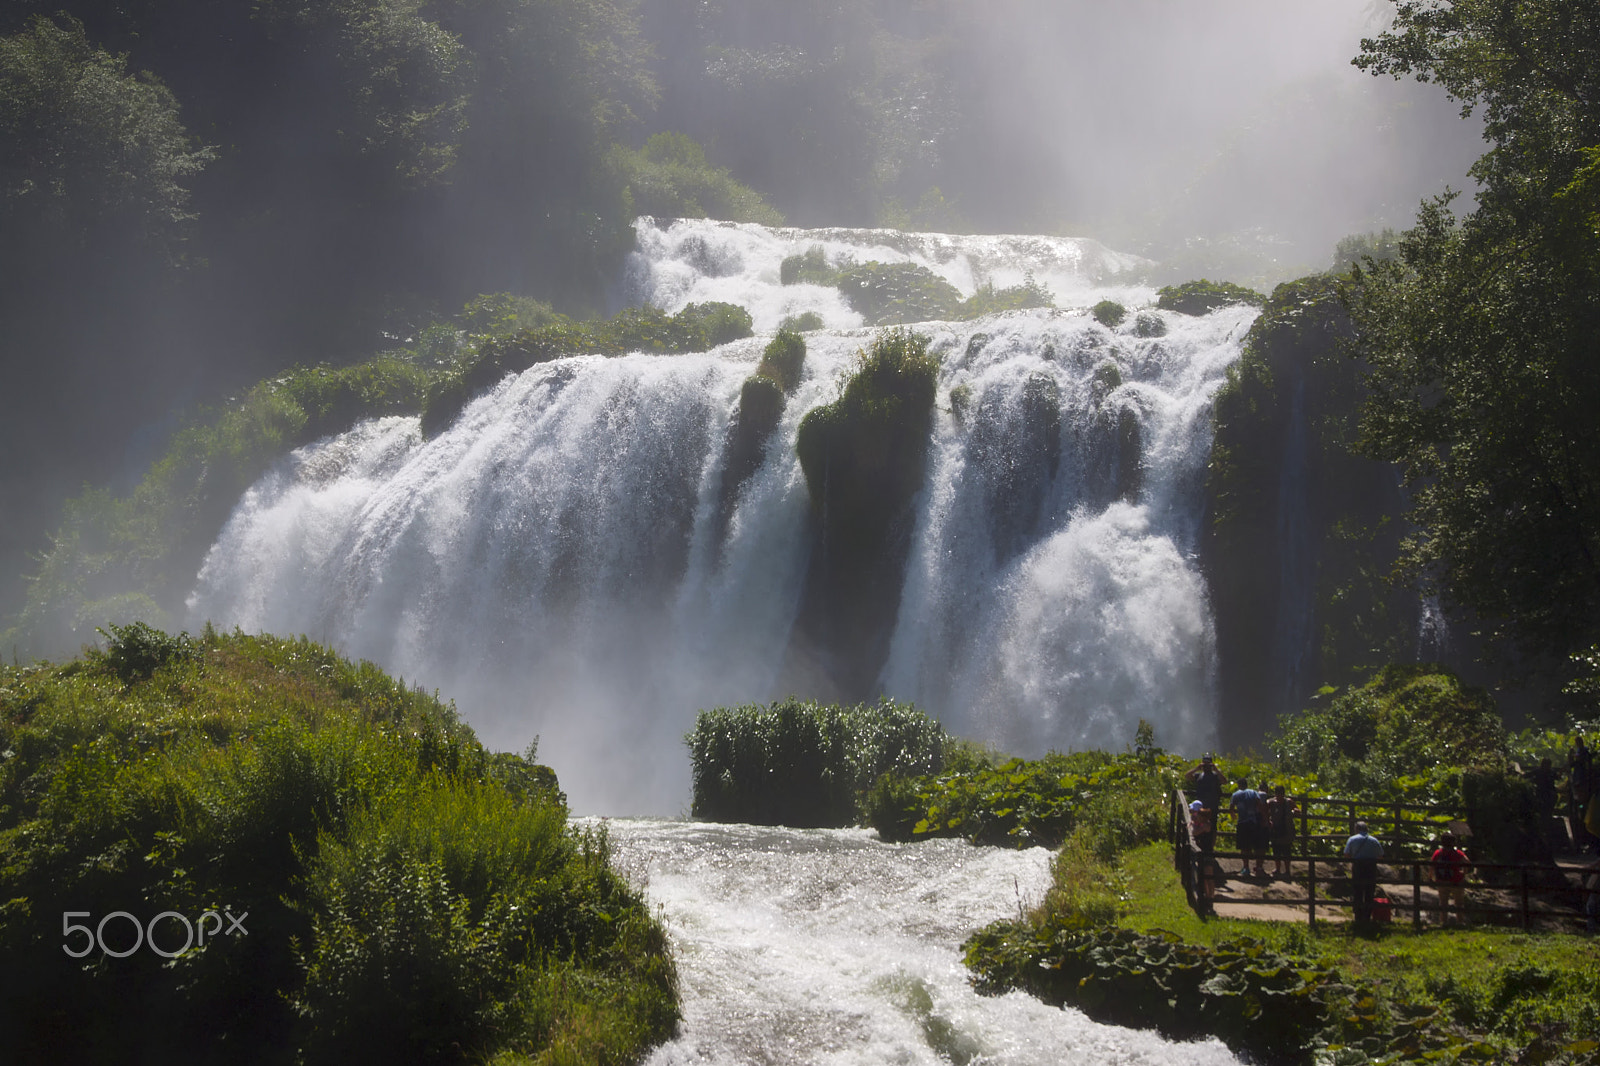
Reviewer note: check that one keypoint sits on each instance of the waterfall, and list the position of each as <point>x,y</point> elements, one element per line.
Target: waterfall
<point>553,560</point>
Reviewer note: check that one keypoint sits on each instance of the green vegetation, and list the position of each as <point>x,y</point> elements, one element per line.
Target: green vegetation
<point>670,178</point>
<point>1202,297</point>
<point>800,763</point>
<point>696,328</point>
<point>1027,802</point>
<point>761,403</point>
<point>403,891</point>
<point>863,457</point>
<point>783,359</point>
<point>1149,324</point>
<point>1479,334</point>
<point>801,323</point>
<point>888,294</point>
<point>1109,313</point>
<point>1287,415</point>
<point>87,149</point>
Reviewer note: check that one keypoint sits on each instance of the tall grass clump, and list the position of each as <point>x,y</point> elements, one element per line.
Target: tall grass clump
<point>406,896</point>
<point>801,763</point>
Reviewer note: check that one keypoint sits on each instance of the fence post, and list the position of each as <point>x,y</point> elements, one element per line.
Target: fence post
<point>1305,824</point>
<point>1311,891</point>
<point>1416,896</point>
<point>1526,922</point>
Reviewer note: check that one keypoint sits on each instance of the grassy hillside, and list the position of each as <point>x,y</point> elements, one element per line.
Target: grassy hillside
<point>361,880</point>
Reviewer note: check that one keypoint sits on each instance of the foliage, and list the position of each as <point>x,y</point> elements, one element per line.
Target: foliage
<point>696,328</point>
<point>801,763</point>
<point>988,300</point>
<point>135,652</point>
<point>85,144</point>
<point>1359,247</point>
<point>116,559</point>
<point>802,323</point>
<point>960,402</point>
<point>1202,297</point>
<point>1149,324</point>
<point>1479,334</point>
<point>401,887</point>
<point>1109,313</point>
<point>1407,720</point>
<point>809,267</point>
<point>1284,424</point>
<point>670,178</point>
<point>783,358</point>
<point>1028,802</point>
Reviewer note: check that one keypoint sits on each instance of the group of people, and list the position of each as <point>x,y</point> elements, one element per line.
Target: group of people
<point>1265,821</point>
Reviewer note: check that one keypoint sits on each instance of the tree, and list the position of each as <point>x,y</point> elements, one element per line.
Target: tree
<point>85,145</point>
<point>1483,334</point>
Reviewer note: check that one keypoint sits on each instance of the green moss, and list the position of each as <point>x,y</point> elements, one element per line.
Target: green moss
<point>696,328</point>
<point>809,267</point>
<point>1149,324</point>
<point>863,457</point>
<point>801,763</point>
<point>403,891</point>
<point>961,402</point>
<point>1202,297</point>
<point>783,359</point>
<point>802,323</point>
<point>897,293</point>
<point>1109,313</point>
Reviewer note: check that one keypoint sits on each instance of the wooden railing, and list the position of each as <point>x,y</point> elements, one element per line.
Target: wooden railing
<point>1309,869</point>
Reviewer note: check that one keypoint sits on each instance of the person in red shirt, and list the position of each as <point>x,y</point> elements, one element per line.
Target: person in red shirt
<point>1450,875</point>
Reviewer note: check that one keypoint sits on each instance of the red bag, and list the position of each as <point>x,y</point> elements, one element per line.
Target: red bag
<point>1382,909</point>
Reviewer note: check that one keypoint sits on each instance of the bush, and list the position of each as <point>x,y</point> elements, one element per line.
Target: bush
<point>801,763</point>
<point>697,328</point>
<point>783,360</point>
<point>898,293</point>
<point>403,892</point>
<point>1406,721</point>
<point>809,267</point>
<point>988,300</point>
<point>1109,313</point>
<point>802,323</point>
<point>1202,297</point>
<point>1022,803</point>
<point>670,178</point>
<point>1149,324</point>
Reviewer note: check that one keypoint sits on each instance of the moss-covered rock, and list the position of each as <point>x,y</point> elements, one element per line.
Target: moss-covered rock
<point>809,267</point>
<point>898,293</point>
<point>1202,297</point>
<point>1297,546</point>
<point>1149,324</point>
<point>864,458</point>
<point>761,403</point>
<point>1109,313</point>
<point>804,322</point>
<point>697,328</point>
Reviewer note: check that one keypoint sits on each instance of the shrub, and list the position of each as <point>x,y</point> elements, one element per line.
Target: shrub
<point>718,323</point>
<point>960,402</point>
<point>670,178</point>
<point>783,359</point>
<point>988,300</point>
<point>898,293</point>
<point>398,896</point>
<point>802,323</point>
<point>136,651</point>
<point>1202,297</point>
<point>808,267</point>
<point>1109,313</point>
<point>802,763</point>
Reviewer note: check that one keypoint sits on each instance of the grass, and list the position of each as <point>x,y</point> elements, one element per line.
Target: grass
<point>410,896</point>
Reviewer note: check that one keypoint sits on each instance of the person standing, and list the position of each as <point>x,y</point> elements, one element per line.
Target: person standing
<point>1450,875</point>
<point>1544,796</point>
<point>1205,782</point>
<point>1281,810</point>
<point>1363,850</point>
<point>1251,834</point>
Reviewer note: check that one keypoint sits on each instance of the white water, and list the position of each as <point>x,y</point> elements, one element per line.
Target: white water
<point>825,946</point>
<point>549,561</point>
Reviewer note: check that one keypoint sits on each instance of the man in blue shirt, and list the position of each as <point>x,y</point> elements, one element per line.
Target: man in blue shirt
<point>1363,851</point>
<point>1251,835</point>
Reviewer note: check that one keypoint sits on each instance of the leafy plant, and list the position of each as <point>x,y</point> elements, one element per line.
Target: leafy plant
<point>1109,313</point>
<point>802,763</point>
<point>1202,297</point>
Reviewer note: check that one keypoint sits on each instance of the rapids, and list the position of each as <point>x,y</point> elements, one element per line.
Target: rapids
<point>825,946</point>
<point>553,560</point>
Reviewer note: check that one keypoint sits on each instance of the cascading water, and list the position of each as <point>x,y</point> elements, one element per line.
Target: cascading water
<point>554,561</point>
<point>826,946</point>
